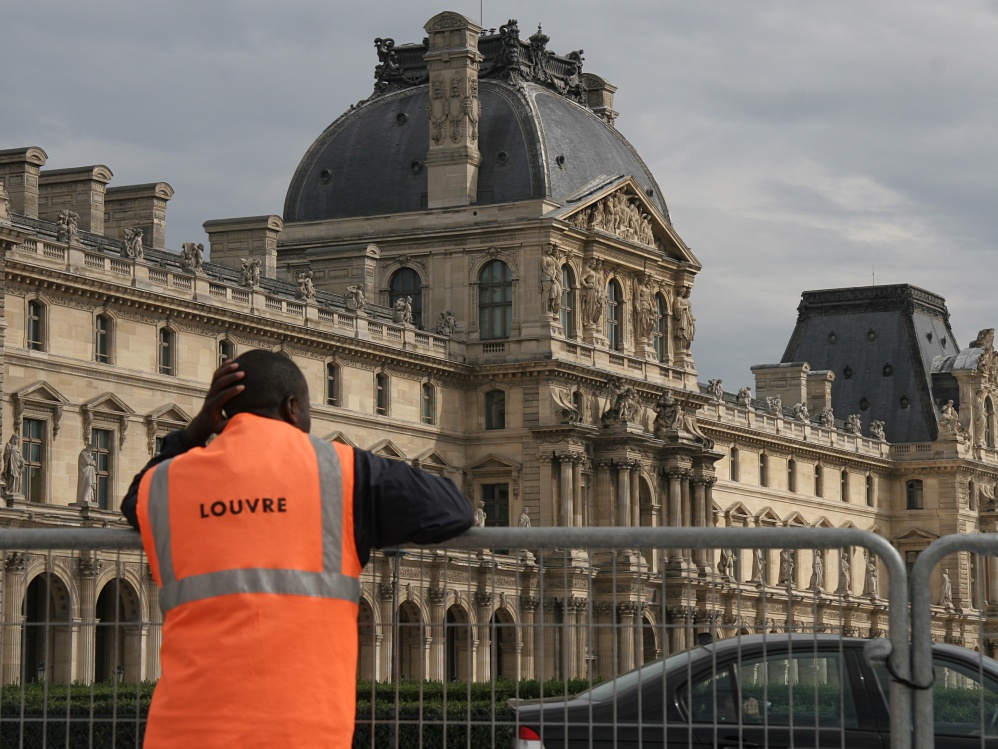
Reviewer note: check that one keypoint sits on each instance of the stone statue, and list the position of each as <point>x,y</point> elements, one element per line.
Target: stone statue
<point>355,299</point>
<point>625,406</point>
<point>877,430</point>
<point>872,584</point>
<point>853,424</point>
<point>818,571</point>
<point>13,465</point>
<point>716,389</point>
<point>133,243</point>
<point>524,518</point>
<point>682,312</point>
<point>668,415</point>
<point>800,412</point>
<point>593,294</point>
<point>68,231</point>
<point>845,572</point>
<point>646,310</point>
<point>946,593</point>
<point>949,419</point>
<point>250,273</point>
<point>86,486</point>
<point>774,406</point>
<point>551,288</point>
<point>447,324</point>
<point>980,419</point>
<point>786,567</point>
<point>726,563</point>
<point>827,417</point>
<point>479,521</point>
<point>758,567</point>
<point>4,204</point>
<point>570,412</point>
<point>402,311</point>
<point>436,110</point>
<point>745,396</point>
<point>192,259</point>
<point>306,288</point>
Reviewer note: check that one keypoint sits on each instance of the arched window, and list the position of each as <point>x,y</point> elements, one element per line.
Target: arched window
<point>819,482</point>
<point>661,323</point>
<point>495,409</point>
<point>913,494</point>
<point>733,464</point>
<point>332,384</point>
<point>226,351</point>
<point>429,410</point>
<point>36,325</point>
<point>167,351</point>
<point>763,469</point>
<point>495,301</point>
<point>567,301</point>
<point>792,475</point>
<point>614,309</point>
<point>869,491</point>
<point>972,495</point>
<point>989,422</point>
<point>102,339</point>
<point>382,394</point>
<point>844,486</point>
<point>407,283</point>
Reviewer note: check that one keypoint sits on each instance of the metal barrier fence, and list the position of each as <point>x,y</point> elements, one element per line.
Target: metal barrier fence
<point>458,643</point>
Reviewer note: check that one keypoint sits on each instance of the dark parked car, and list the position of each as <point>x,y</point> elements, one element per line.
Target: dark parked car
<point>764,691</point>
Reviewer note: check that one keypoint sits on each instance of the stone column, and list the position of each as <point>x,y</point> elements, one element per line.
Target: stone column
<point>623,495</point>
<point>548,510</point>
<point>528,632</point>
<point>566,490</point>
<point>627,611</point>
<point>549,642</point>
<point>13,620</point>
<point>992,581</point>
<point>483,659</point>
<point>154,634</point>
<point>635,495</point>
<point>675,514</point>
<point>438,636</point>
<point>88,567</point>
<point>577,498</point>
<point>569,638</point>
<point>606,640</point>
<point>700,521</point>
<point>686,505</point>
<point>604,509</point>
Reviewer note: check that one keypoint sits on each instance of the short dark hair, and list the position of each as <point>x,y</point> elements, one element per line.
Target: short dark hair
<point>269,379</point>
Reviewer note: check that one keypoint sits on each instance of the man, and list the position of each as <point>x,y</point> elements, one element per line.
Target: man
<point>257,541</point>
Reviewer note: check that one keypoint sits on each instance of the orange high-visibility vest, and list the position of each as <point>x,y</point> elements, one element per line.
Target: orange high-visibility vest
<point>251,542</point>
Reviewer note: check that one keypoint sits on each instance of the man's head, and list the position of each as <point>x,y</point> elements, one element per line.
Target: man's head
<point>275,389</point>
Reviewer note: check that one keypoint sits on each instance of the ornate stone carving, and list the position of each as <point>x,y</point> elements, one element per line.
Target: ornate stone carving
<point>682,312</point>
<point>758,567</point>
<point>479,515</point>
<point>744,396</point>
<point>447,324</point>
<point>827,417</point>
<point>726,564</point>
<point>550,286</point>
<point>472,109</point>
<point>437,110</point>
<point>13,465</point>
<point>949,420</point>
<point>801,413</point>
<point>787,561</point>
<point>133,243</point>
<point>774,406</point>
<point>570,412</point>
<point>192,258</point>
<point>716,389</point>
<point>871,583</point>
<point>946,591</point>
<point>249,275</point>
<point>354,297</point>
<point>645,308</point>
<point>15,561</point>
<point>483,600</point>
<point>68,231</point>
<point>593,292</point>
<point>877,430</point>
<point>853,424</point>
<point>86,483</point>
<point>668,415</point>
<point>4,204</point>
<point>818,571</point>
<point>624,405</point>
<point>402,311</point>
<point>89,566</point>
<point>620,214</point>
<point>529,603</point>
<point>306,287</point>
<point>437,596</point>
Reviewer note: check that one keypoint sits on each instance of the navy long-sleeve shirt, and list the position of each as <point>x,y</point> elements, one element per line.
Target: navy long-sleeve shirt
<point>393,503</point>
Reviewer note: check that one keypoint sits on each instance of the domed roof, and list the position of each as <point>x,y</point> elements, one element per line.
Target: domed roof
<point>535,139</point>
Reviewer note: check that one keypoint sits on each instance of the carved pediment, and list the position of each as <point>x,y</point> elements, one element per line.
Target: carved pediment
<point>623,210</point>
<point>108,408</point>
<point>823,522</point>
<point>341,438</point>
<point>39,396</point>
<point>164,419</point>
<point>387,449</point>
<point>796,520</point>
<point>915,537</point>
<point>494,463</point>
<point>767,516</point>
<point>432,458</point>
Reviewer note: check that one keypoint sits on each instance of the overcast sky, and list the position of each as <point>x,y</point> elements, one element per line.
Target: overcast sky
<point>799,145</point>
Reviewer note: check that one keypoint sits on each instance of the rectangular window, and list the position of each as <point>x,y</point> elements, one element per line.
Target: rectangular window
<point>166,352</point>
<point>382,394</point>
<point>33,450</point>
<point>102,339</point>
<point>101,445</point>
<point>159,445</point>
<point>36,326</point>
<point>428,403</point>
<point>495,409</point>
<point>496,500</point>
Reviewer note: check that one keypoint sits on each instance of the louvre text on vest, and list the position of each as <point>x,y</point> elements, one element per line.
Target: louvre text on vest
<point>236,506</point>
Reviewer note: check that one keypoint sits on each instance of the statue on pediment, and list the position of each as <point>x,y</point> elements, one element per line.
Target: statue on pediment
<point>774,406</point>
<point>744,397</point>
<point>133,243</point>
<point>668,415</point>
<point>853,424</point>
<point>447,324</point>
<point>827,417</point>
<point>949,419</point>
<point>192,257</point>
<point>306,287</point>
<point>593,292</point>
<point>801,412</point>
<point>877,430</point>
<point>646,317</point>
<point>551,288</point>
<point>250,273</point>
<point>68,231</point>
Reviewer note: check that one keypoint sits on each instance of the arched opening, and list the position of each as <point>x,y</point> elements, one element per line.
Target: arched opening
<point>502,632</point>
<point>410,642</point>
<point>646,506</point>
<point>614,310</point>
<point>661,323</point>
<point>117,648</point>
<point>792,475</point>
<point>567,301</point>
<point>649,642</point>
<point>458,636</point>
<point>46,646</point>
<point>367,644</point>
<point>733,471</point>
<point>406,283</point>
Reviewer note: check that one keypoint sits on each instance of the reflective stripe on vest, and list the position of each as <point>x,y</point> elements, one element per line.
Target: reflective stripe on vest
<point>330,583</point>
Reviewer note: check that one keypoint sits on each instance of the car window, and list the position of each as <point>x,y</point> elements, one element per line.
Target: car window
<point>960,704</point>
<point>711,698</point>
<point>806,689</point>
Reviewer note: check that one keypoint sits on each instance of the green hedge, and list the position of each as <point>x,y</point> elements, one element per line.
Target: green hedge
<point>39,716</point>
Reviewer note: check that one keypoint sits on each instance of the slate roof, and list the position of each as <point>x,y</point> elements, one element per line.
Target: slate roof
<point>880,341</point>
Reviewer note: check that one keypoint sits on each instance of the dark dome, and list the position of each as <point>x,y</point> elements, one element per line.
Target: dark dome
<point>534,143</point>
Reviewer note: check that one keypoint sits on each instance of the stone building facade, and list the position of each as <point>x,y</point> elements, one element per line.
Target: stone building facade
<point>487,284</point>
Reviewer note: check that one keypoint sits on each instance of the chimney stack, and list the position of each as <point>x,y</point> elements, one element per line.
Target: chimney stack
<point>19,168</point>
<point>79,189</point>
<point>138,207</point>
